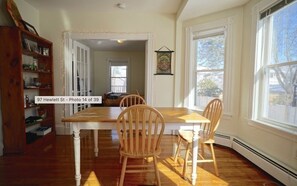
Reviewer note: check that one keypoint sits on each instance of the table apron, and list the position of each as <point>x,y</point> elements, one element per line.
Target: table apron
<point>112,125</point>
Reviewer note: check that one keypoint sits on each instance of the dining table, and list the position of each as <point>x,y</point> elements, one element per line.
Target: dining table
<point>102,118</point>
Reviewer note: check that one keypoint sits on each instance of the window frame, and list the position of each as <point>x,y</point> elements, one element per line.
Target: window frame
<point>202,35</point>
<point>224,25</point>
<point>119,62</point>
<point>259,56</point>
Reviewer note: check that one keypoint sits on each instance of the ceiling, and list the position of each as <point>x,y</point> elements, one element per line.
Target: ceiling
<point>114,45</point>
<point>184,9</point>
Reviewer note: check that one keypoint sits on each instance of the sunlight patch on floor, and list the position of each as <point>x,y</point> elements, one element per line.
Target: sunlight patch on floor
<point>92,180</point>
<point>173,171</point>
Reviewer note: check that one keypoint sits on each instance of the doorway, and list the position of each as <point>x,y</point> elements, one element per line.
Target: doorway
<point>71,37</point>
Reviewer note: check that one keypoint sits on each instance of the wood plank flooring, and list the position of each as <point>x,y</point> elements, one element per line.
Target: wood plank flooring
<point>54,166</point>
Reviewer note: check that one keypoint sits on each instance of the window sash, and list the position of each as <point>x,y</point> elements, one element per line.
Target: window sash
<point>113,88</point>
<point>200,104</point>
<point>226,26</point>
<point>274,7</point>
<point>262,75</point>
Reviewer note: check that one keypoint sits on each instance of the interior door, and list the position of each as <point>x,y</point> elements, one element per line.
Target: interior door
<point>80,74</point>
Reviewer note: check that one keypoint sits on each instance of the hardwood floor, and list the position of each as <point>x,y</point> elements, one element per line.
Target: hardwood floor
<point>54,165</point>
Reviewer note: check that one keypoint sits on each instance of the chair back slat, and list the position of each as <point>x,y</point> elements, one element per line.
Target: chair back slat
<point>140,128</point>
<point>213,112</point>
<point>131,99</point>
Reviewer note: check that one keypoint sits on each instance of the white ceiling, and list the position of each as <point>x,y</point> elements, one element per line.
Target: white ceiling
<point>113,45</point>
<point>161,6</point>
<point>186,9</point>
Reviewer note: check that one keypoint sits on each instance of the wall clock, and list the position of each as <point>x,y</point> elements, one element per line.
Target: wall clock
<point>164,62</point>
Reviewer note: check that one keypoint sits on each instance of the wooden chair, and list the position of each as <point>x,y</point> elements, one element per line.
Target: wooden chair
<point>131,99</point>
<point>144,143</point>
<point>213,112</point>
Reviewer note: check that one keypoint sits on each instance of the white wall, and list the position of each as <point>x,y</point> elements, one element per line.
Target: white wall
<point>280,146</point>
<point>229,124</point>
<point>101,70</point>
<point>28,13</point>
<point>162,28</point>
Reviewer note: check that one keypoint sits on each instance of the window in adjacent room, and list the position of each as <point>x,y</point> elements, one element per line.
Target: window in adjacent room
<point>275,92</point>
<point>118,77</point>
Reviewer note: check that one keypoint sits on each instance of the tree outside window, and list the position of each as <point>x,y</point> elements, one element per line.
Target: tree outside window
<point>210,62</point>
<point>278,66</point>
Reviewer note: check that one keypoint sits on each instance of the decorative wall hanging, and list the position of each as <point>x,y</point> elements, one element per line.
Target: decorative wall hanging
<point>164,61</point>
<point>29,27</point>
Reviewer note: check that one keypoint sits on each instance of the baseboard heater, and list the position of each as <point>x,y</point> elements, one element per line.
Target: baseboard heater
<point>275,169</point>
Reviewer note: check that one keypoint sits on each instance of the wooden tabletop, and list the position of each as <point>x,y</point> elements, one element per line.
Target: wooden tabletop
<point>110,114</point>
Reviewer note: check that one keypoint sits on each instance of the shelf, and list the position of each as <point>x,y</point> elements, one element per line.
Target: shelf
<point>38,88</point>
<point>32,126</point>
<point>33,106</point>
<point>34,54</point>
<point>37,71</point>
<point>31,137</point>
<point>34,37</point>
<point>27,57</point>
<point>35,141</point>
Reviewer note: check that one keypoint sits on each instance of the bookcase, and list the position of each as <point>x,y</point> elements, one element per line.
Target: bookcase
<point>26,70</point>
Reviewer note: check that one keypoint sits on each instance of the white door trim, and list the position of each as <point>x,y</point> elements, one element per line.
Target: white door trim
<point>149,65</point>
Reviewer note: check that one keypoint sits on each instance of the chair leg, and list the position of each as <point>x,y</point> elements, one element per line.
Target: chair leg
<point>157,171</point>
<point>186,160</point>
<point>121,157</point>
<point>177,150</point>
<point>124,165</point>
<point>202,149</point>
<point>214,159</point>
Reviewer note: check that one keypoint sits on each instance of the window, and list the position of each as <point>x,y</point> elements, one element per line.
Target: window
<point>212,50</point>
<point>275,92</point>
<point>209,60</point>
<point>118,77</point>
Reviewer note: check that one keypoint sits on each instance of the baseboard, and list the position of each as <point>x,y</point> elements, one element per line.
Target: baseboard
<point>272,167</point>
<point>224,140</point>
<point>62,130</point>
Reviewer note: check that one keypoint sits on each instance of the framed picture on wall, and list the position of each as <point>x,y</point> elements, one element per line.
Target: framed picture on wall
<point>29,27</point>
<point>164,61</point>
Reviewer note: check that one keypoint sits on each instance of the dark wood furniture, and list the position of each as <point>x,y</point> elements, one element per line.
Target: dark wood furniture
<point>26,69</point>
<point>113,99</point>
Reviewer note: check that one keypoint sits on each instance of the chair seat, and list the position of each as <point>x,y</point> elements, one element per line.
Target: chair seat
<point>140,150</point>
<point>187,135</point>
<point>213,111</point>
<point>140,129</point>
<point>140,155</point>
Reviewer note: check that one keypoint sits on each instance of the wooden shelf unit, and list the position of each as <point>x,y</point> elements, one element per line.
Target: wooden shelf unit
<point>17,47</point>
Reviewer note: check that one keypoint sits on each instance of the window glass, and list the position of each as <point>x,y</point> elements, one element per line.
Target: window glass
<point>210,59</point>
<point>210,52</point>
<point>277,90</point>
<point>118,78</point>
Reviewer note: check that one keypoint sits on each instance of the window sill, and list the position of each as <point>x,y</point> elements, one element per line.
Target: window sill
<point>289,133</point>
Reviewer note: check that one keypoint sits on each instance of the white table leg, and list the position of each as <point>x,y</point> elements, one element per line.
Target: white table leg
<point>96,149</point>
<point>195,155</point>
<point>76,140</point>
